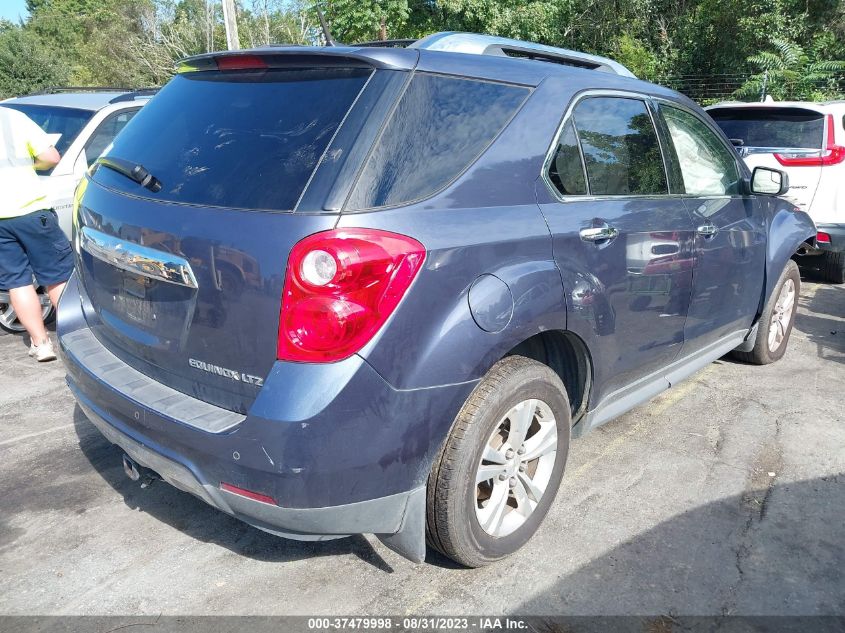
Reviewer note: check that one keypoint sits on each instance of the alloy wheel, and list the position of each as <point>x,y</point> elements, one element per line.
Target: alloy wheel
<point>516,467</point>
<point>8,316</point>
<point>781,315</point>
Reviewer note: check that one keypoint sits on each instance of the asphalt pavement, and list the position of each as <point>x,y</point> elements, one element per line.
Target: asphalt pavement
<point>725,495</point>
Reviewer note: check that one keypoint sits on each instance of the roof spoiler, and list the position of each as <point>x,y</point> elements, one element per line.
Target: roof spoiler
<point>285,56</point>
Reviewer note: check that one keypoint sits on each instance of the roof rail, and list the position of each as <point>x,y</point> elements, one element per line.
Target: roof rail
<point>140,93</point>
<point>56,89</point>
<point>503,47</point>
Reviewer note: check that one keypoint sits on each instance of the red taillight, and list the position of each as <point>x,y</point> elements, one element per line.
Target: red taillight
<point>832,154</point>
<point>822,237</point>
<point>240,62</point>
<point>340,288</point>
<point>249,494</point>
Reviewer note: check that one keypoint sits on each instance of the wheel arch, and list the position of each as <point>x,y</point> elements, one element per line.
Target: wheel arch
<point>789,230</point>
<point>568,356</point>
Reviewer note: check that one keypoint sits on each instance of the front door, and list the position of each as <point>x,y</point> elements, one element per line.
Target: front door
<point>730,242</point>
<point>623,244</point>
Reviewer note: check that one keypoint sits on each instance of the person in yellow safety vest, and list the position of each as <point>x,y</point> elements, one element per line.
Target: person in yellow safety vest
<point>31,242</point>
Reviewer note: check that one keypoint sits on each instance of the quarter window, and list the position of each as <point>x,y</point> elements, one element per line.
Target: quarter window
<point>620,147</point>
<point>566,171</point>
<point>440,126</point>
<point>708,167</point>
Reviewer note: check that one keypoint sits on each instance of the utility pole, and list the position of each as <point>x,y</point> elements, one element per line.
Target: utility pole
<point>230,20</point>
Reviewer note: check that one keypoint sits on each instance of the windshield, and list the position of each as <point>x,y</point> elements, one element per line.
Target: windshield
<point>67,122</point>
<point>241,140</point>
<point>772,127</point>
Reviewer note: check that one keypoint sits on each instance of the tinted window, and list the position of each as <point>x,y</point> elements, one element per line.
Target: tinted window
<point>566,171</point>
<point>772,127</point>
<point>620,147</point>
<point>246,140</point>
<point>105,133</point>
<point>54,120</point>
<point>707,166</point>
<point>439,127</point>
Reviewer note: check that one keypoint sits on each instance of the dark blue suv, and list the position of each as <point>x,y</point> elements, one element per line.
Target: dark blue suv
<point>375,290</point>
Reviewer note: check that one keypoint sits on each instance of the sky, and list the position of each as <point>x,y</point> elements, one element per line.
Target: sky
<point>12,9</point>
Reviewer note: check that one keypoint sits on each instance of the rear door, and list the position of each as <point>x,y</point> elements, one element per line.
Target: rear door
<point>183,279</point>
<point>779,138</point>
<point>730,241</point>
<point>622,242</point>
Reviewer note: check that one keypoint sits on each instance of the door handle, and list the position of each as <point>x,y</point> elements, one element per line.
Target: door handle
<point>599,233</point>
<point>707,230</point>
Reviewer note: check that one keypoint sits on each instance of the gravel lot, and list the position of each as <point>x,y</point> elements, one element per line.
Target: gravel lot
<point>726,495</point>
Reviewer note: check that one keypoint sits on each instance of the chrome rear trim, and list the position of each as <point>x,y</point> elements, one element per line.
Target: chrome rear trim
<point>138,259</point>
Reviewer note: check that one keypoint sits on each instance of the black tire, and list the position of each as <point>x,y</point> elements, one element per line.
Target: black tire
<point>833,267</point>
<point>452,526</point>
<point>761,354</point>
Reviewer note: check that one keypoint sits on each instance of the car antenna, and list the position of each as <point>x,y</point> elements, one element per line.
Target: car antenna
<point>326,33</point>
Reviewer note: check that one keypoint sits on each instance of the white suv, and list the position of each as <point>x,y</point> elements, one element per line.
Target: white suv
<point>82,122</point>
<point>807,141</point>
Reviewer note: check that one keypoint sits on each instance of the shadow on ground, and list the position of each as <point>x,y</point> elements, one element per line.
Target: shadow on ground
<point>822,323</point>
<point>775,550</point>
<point>199,520</point>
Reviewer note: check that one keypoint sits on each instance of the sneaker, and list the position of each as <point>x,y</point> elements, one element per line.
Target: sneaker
<point>43,352</point>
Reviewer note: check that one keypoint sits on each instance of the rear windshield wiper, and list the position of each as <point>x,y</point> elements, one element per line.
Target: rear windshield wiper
<point>131,170</point>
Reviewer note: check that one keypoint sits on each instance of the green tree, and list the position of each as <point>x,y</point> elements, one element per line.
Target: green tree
<point>26,65</point>
<point>788,73</point>
<point>359,20</point>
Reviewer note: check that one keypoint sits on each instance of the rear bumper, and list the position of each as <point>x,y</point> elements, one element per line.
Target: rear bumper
<point>837,237</point>
<point>339,450</point>
<point>384,515</point>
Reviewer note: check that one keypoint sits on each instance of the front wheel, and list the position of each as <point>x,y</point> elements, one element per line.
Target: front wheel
<point>500,468</point>
<point>777,320</point>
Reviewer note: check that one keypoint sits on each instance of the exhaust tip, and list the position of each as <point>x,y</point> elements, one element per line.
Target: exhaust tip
<point>131,468</point>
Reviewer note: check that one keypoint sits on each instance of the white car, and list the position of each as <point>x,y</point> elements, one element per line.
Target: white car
<point>807,141</point>
<point>82,123</point>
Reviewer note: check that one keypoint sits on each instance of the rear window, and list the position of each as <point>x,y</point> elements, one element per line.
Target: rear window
<point>243,140</point>
<point>772,127</point>
<point>56,120</point>
<point>440,126</point>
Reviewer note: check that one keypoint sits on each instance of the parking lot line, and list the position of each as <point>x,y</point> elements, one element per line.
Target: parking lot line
<point>21,438</point>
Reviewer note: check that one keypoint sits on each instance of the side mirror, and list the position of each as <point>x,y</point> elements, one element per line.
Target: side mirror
<point>770,182</point>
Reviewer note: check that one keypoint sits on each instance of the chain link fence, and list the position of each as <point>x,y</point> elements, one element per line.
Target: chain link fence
<point>710,89</point>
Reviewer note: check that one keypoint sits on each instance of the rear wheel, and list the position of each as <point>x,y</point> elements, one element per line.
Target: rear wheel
<point>777,319</point>
<point>833,267</point>
<point>500,468</point>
